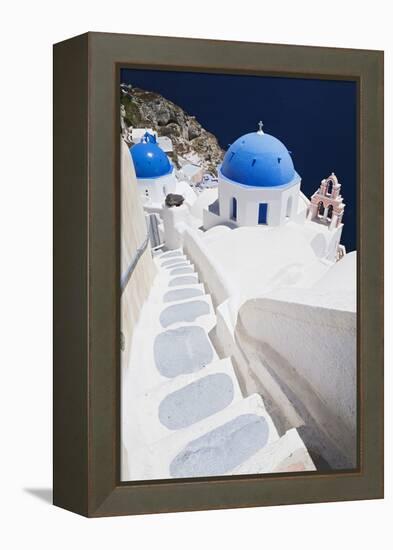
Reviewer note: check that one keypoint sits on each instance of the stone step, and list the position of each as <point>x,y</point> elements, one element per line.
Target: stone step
<point>177,265</point>
<point>170,254</point>
<point>182,350</point>
<point>212,447</point>
<point>154,362</point>
<point>171,263</point>
<point>183,293</point>
<point>183,269</point>
<point>174,271</point>
<point>197,311</point>
<point>192,318</point>
<point>183,280</point>
<point>287,454</point>
<point>166,353</point>
<point>160,292</point>
<point>187,400</point>
<point>179,305</point>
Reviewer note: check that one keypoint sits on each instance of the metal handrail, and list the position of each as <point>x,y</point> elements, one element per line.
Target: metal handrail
<point>133,264</point>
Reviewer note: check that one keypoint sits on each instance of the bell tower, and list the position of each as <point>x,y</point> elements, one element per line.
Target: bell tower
<point>327,204</point>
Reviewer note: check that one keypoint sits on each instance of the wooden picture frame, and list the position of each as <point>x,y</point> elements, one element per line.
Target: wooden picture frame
<point>86,274</point>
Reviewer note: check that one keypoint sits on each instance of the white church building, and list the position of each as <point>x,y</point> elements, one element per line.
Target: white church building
<point>257,183</point>
<point>259,186</point>
<point>156,174</point>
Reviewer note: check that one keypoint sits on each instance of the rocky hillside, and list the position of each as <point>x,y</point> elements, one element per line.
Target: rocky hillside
<point>191,142</point>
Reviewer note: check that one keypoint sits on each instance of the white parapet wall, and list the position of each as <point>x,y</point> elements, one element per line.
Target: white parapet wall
<point>175,219</point>
<point>137,266</point>
<point>297,348</point>
<point>303,344</point>
<point>137,269</point>
<point>210,273</point>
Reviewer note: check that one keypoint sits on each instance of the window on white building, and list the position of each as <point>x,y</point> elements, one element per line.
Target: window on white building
<point>289,207</point>
<point>234,209</point>
<point>262,213</point>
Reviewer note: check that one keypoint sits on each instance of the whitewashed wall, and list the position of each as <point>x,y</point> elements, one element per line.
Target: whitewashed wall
<point>248,200</point>
<point>305,340</point>
<point>133,235</point>
<point>156,189</point>
<point>209,271</point>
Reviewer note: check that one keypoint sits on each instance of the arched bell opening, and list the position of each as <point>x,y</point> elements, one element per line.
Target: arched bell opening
<point>329,188</point>
<point>321,209</point>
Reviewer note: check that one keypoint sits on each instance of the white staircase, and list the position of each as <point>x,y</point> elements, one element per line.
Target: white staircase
<point>183,414</point>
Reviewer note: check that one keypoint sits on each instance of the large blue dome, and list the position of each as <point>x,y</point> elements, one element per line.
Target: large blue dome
<point>258,160</point>
<point>149,159</point>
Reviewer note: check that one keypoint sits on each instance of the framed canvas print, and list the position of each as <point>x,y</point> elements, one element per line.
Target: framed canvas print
<point>218,260</point>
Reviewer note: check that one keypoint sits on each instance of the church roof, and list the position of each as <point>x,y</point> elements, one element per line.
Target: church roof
<point>149,159</point>
<point>258,160</point>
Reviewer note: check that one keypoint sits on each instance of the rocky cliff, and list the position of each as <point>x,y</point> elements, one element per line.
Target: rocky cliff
<point>191,142</point>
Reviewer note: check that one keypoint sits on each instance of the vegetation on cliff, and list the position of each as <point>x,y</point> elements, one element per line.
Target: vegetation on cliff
<point>191,142</point>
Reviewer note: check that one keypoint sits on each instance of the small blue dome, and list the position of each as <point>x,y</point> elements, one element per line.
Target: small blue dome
<point>258,160</point>
<point>149,159</point>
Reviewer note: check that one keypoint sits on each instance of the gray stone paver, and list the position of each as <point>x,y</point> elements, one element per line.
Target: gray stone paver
<point>182,294</point>
<point>186,312</point>
<point>223,448</point>
<point>196,401</point>
<point>182,351</point>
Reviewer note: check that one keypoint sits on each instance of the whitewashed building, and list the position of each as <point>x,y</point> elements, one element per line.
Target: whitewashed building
<point>154,171</point>
<point>259,186</point>
<point>192,173</point>
<point>165,143</point>
<point>156,176</point>
<point>137,134</point>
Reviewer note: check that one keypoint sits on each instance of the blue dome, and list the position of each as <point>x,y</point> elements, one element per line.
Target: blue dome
<point>149,159</point>
<point>258,160</point>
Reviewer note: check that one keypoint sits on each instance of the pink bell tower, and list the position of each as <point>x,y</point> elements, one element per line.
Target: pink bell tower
<point>327,204</point>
